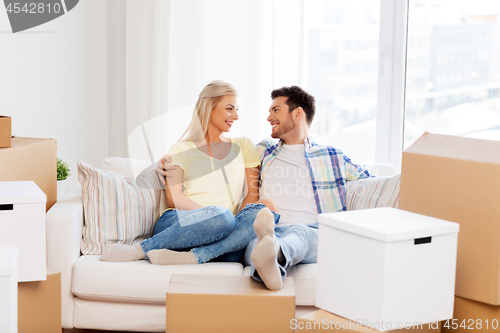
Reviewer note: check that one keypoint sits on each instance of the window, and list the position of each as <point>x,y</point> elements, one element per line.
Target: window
<point>456,90</point>
<point>341,72</point>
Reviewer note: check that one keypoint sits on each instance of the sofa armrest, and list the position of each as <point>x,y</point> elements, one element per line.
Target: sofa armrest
<point>64,235</point>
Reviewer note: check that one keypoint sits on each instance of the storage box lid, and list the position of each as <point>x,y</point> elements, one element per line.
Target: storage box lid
<point>15,192</point>
<point>388,224</point>
<point>8,260</point>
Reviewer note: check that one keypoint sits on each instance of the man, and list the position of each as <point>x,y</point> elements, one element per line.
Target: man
<point>303,179</point>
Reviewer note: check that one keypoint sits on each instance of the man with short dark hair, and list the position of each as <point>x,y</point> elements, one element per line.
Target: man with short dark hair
<point>304,179</point>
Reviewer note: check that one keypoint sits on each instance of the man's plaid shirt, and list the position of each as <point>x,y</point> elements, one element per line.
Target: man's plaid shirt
<point>328,167</point>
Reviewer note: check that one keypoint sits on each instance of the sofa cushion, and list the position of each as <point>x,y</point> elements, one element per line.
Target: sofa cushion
<point>116,208</point>
<point>136,281</point>
<point>373,193</point>
<point>132,168</point>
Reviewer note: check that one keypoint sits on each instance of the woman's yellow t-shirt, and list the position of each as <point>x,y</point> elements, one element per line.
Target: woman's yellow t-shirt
<point>210,181</point>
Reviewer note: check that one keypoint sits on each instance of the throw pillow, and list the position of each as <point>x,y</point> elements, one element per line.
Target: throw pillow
<point>116,209</point>
<point>373,193</point>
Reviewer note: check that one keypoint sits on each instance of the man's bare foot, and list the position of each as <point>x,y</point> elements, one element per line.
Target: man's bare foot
<point>264,258</point>
<point>266,252</point>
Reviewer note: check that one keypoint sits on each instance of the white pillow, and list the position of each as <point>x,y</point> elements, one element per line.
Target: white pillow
<point>128,167</point>
<point>116,208</point>
<point>125,166</point>
<point>373,192</point>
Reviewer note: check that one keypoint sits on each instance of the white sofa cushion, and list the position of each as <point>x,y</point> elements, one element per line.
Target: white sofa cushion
<point>115,316</point>
<point>132,168</point>
<point>136,281</point>
<point>373,192</point>
<point>116,208</point>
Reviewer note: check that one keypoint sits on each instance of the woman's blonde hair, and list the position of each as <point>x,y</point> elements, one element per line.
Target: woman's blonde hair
<point>209,96</point>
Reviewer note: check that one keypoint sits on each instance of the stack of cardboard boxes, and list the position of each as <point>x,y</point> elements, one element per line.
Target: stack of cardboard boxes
<point>31,159</point>
<point>458,179</point>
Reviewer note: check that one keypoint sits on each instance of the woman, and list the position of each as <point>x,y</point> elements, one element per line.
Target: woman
<point>206,187</point>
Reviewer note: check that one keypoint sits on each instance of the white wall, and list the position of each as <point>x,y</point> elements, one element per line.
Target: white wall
<point>53,82</point>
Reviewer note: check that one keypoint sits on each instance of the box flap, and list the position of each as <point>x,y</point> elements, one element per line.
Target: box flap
<point>225,285</point>
<point>15,192</point>
<point>388,224</point>
<point>478,150</point>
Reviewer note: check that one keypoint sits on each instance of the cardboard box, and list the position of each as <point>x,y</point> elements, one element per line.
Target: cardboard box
<point>471,315</point>
<point>39,307</point>
<point>22,224</point>
<point>197,303</point>
<point>32,159</point>
<point>458,179</point>
<point>321,321</point>
<point>385,265</point>
<point>5,131</point>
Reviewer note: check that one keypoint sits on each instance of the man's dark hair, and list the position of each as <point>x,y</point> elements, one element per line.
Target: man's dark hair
<point>297,97</point>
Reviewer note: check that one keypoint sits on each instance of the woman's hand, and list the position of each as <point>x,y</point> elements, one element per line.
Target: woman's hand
<point>162,169</point>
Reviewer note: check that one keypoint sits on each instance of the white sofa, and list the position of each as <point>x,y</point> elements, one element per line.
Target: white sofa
<point>130,296</point>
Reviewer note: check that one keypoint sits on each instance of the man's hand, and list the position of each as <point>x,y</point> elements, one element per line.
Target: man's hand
<point>162,169</point>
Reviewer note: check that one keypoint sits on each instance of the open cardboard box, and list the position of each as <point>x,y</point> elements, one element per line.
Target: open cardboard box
<point>458,179</point>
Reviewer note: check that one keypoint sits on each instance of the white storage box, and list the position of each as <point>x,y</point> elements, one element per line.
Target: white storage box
<point>22,224</point>
<point>385,267</point>
<point>8,289</point>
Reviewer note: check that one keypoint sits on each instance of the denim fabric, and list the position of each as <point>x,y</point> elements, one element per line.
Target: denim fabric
<point>237,240</point>
<point>181,229</point>
<point>298,242</point>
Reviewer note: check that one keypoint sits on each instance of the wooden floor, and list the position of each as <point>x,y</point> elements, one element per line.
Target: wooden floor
<point>91,331</point>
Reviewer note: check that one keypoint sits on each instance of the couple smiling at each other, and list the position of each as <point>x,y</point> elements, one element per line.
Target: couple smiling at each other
<point>220,190</point>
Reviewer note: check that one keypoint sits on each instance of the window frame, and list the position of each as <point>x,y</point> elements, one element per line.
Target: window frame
<point>391,81</point>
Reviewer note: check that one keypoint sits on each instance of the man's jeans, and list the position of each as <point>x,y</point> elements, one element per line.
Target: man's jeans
<point>208,232</point>
<point>298,242</point>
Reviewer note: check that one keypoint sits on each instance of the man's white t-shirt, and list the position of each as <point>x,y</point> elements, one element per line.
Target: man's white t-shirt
<point>287,181</point>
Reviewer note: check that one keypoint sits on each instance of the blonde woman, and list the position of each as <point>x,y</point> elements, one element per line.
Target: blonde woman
<point>208,171</point>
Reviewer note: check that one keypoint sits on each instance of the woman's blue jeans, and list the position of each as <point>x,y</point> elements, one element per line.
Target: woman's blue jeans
<point>209,232</point>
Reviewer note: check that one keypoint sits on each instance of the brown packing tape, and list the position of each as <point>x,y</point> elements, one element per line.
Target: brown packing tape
<point>5,131</point>
<point>323,321</point>
<point>234,304</point>
<point>39,305</point>
<point>435,182</point>
<point>32,159</point>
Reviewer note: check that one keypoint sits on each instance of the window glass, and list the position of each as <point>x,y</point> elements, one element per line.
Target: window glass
<point>453,69</point>
<point>341,39</point>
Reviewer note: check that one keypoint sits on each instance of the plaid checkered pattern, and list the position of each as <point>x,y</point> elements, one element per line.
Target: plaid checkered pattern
<point>328,167</point>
